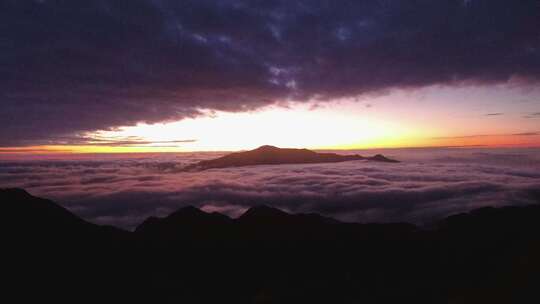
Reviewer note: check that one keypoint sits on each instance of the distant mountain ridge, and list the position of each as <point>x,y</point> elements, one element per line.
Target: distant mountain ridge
<point>270,155</point>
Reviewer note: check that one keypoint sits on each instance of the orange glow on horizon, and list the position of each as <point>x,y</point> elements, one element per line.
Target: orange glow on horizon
<point>343,127</point>
<point>488,142</point>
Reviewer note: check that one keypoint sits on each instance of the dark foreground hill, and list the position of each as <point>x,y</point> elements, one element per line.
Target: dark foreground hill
<point>267,256</point>
<point>269,155</point>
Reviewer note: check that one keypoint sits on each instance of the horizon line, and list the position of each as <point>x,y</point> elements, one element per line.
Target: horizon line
<point>20,151</point>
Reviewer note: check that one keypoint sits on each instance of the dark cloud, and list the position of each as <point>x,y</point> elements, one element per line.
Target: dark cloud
<point>18,150</point>
<point>533,115</point>
<point>527,134</point>
<point>488,135</point>
<point>494,114</point>
<point>71,66</point>
<point>429,184</point>
<point>129,141</point>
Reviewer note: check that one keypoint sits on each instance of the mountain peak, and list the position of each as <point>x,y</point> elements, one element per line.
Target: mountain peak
<point>187,211</point>
<point>266,148</point>
<point>263,211</point>
<point>271,155</point>
<point>382,158</point>
<point>26,211</point>
<point>184,220</point>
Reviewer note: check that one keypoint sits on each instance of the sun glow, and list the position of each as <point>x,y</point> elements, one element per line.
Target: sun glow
<point>341,124</point>
<point>285,127</point>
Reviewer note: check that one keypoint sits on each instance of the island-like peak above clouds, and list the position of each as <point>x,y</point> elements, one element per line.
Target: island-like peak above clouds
<point>270,155</point>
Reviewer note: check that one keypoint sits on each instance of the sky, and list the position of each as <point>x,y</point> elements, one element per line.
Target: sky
<point>104,76</point>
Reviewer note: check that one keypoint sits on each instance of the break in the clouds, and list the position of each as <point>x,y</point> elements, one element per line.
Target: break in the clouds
<point>68,67</point>
<point>427,185</point>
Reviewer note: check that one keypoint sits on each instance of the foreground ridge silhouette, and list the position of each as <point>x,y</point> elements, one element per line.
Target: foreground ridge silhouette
<point>270,155</point>
<point>266,255</point>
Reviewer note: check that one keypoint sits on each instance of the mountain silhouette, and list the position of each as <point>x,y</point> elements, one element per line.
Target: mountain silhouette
<point>263,213</point>
<point>186,223</point>
<point>267,255</point>
<point>24,213</point>
<point>270,155</point>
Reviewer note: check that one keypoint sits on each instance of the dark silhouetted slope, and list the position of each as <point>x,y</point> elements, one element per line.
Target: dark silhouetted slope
<point>188,223</point>
<point>269,155</point>
<point>24,208</point>
<point>268,256</point>
<point>49,254</point>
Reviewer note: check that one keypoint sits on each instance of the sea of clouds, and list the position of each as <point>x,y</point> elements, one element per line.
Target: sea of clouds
<point>427,185</point>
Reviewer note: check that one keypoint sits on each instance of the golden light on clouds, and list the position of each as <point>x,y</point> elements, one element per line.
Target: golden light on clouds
<point>343,124</point>
<point>300,127</point>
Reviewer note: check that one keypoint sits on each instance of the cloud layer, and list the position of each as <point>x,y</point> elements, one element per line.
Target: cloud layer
<point>68,67</point>
<point>429,184</point>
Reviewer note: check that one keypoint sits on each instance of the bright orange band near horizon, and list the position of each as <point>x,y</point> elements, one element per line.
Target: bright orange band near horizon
<point>296,128</point>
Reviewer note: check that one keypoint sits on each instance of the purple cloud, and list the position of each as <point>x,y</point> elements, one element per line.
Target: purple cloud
<point>67,67</point>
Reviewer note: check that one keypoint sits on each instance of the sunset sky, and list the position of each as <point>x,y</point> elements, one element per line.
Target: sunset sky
<point>168,76</point>
<point>271,151</point>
